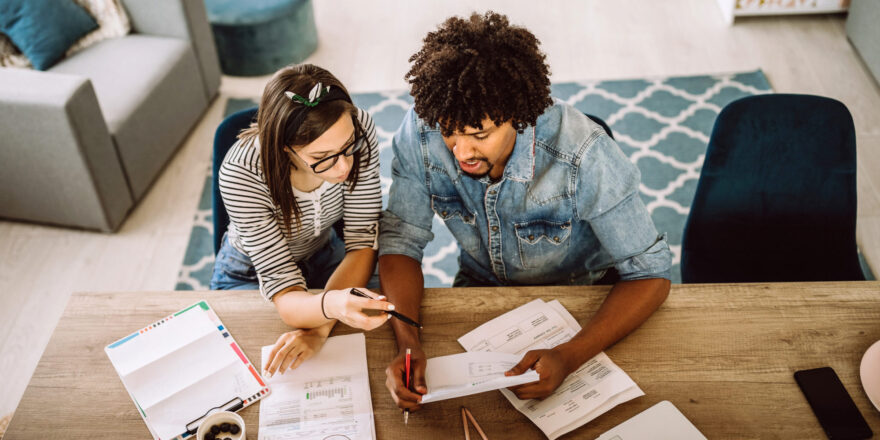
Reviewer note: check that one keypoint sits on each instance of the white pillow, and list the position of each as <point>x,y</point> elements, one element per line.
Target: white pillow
<point>10,56</point>
<point>112,23</point>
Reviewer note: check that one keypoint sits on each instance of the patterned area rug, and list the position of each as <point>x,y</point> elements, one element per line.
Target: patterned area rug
<point>662,124</point>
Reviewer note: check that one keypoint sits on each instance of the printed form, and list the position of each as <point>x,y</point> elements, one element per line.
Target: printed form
<point>327,396</point>
<point>596,387</point>
<point>464,374</point>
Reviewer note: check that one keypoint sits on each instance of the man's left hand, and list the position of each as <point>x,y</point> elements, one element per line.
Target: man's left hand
<point>552,367</point>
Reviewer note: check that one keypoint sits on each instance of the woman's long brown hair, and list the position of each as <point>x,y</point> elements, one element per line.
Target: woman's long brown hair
<point>275,133</point>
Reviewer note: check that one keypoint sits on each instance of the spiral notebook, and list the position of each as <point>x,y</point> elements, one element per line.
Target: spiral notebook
<point>183,367</point>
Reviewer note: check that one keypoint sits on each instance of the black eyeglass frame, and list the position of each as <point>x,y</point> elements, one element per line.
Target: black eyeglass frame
<point>355,146</point>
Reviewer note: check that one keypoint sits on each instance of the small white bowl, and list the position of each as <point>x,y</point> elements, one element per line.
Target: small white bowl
<point>870,374</point>
<point>218,418</point>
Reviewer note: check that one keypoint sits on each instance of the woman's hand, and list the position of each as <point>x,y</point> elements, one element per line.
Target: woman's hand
<point>292,348</point>
<point>348,308</point>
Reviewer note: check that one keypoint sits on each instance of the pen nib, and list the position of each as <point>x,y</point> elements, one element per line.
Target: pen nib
<point>406,418</point>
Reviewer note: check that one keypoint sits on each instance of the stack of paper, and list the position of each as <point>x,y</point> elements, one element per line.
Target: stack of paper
<point>464,374</point>
<point>327,396</point>
<point>596,387</point>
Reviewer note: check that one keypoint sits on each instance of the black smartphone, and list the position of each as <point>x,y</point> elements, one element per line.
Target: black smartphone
<point>835,409</point>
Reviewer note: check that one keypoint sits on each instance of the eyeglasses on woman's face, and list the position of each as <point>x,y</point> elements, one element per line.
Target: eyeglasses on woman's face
<point>355,142</point>
<point>325,164</point>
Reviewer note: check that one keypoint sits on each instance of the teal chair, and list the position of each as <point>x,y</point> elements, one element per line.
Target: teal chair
<point>225,136</point>
<point>776,199</point>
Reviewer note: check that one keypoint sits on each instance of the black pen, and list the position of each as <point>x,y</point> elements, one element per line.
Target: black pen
<point>399,316</point>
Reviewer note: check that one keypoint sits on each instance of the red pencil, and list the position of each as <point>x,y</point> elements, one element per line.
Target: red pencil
<point>408,361</point>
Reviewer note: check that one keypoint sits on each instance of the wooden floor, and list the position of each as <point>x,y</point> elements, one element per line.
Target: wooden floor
<point>367,45</point>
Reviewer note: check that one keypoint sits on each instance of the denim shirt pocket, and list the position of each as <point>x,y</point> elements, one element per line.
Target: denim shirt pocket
<point>235,264</point>
<point>542,243</point>
<point>460,221</point>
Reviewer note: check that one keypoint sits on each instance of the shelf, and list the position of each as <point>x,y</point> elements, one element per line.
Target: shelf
<point>731,9</point>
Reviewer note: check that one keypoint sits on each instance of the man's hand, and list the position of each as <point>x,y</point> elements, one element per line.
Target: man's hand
<point>395,379</point>
<point>292,348</point>
<point>552,367</point>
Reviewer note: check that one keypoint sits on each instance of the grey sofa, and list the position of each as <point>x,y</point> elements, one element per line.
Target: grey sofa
<point>81,143</point>
<point>863,32</point>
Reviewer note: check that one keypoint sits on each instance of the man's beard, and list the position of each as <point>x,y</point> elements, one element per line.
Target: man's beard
<point>480,175</point>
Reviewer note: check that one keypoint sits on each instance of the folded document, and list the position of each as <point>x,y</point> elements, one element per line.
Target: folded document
<point>464,374</point>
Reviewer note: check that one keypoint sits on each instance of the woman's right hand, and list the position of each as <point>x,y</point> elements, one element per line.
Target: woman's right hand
<point>294,347</point>
<point>349,309</point>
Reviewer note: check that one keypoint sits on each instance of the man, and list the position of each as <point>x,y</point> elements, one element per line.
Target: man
<point>534,192</point>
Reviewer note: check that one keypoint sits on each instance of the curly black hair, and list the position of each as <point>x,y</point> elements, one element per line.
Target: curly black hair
<point>470,69</point>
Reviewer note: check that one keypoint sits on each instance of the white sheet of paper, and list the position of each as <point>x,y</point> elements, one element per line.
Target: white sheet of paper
<point>532,326</point>
<point>463,374</point>
<point>174,335</point>
<point>596,387</point>
<point>328,394</point>
<point>662,421</point>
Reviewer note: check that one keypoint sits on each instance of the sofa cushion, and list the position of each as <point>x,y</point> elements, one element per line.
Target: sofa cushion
<point>44,29</point>
<point>124,71</point>
<point>150,93</point>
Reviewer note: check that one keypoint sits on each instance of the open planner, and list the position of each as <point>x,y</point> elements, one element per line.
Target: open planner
<point>183,367</point>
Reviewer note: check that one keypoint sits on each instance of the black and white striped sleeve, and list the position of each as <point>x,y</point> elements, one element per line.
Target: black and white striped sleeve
<point>252,211</point>
<point>362,206</point>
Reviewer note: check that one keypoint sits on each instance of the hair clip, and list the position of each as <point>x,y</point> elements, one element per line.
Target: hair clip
<point>315,95</point>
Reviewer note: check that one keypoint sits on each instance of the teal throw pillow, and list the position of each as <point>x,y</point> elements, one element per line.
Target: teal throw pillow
<point>44,29</point>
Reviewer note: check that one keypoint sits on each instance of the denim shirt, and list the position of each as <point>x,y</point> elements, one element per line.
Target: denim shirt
<point>566,208</point>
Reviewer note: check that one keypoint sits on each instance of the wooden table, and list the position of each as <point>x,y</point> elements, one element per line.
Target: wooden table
<point>723,354</point>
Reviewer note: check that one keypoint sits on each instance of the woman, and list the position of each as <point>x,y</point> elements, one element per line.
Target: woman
<point>309,161</point>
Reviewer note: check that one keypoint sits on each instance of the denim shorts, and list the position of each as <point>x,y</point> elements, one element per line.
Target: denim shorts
<point>234,270</point>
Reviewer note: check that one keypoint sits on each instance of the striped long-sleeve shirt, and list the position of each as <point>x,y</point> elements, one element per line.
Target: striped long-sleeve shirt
<point>256,224</point>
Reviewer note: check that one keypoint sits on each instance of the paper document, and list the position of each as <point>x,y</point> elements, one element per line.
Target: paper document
<point>327,395</point>
<point>464,374</point>
<point>596,387</point>
<point>662,421</point>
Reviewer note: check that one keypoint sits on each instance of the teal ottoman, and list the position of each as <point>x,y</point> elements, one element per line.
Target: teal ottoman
<point>258,37</point>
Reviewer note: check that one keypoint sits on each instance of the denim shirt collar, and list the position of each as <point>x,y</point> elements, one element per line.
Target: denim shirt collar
<point>521,164</point>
